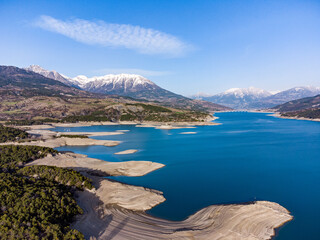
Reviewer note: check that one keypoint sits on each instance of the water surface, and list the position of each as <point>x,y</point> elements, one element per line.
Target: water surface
<point>251,156</point>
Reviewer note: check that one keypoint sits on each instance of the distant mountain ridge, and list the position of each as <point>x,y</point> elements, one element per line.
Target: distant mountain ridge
<point>238,98</point>
<point>255,98</point>
<point>289,95</point>
<point>130,85</point>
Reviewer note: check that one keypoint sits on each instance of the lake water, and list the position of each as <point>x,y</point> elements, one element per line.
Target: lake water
<point>251,156</point>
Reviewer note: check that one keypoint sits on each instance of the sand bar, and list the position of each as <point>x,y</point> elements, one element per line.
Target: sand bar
<point>81,162</point>
<point>65,141</point>
<point>49,133</point>
<point>129,151</point>
<point>91,134</point>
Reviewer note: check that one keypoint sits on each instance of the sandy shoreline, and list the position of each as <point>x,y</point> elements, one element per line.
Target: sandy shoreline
<point>159,125</point>
<point>114,210</point>
<point>278,115</point>
<point>235,221</point>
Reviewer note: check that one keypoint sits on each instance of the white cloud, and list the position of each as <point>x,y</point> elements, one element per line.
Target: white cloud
<point>142,72</point>
<point>142,40</point>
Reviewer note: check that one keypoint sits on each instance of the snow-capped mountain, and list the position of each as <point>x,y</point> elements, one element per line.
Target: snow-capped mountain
<point>255,98</point>
<point>293,94</point>
<point>286,96</point>
<point>129,85</point>
<point>49,74</point>
<point>111,83</point>
<point>244,92</point>
<point>238,98</point>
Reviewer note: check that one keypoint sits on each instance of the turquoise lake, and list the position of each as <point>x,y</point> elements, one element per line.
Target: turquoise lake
<point>251,156</point>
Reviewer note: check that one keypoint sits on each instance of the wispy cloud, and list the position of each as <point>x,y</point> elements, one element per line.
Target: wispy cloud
<point>142,72</point>
<point>142,40</point>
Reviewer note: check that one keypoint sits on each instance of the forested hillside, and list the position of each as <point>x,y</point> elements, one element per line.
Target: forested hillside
<point>37,202</point>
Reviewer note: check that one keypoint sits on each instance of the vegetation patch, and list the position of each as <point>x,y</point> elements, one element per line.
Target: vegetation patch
<point>8,134</point>
<point>36,209</point>
<point>151,108</point>
<point>12,156</point>
<point>64,176</point>
<point>31,122</point>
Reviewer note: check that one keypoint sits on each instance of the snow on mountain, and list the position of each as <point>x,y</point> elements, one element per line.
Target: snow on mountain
<point>238,98</point>
<point>242,92</point>
<point>49,74</point>
<point>126,81</point>
<point>80,80</point>
<point>289,95</point>
<point>255,98</point>
<point>130,85</point>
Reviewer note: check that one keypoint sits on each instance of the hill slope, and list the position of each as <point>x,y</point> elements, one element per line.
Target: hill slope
<point>301,108</point>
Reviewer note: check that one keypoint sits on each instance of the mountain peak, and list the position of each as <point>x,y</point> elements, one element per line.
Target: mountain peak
<point>35,68</point>
<point>116,80</point>
<point>49,74</point>
<point>251,91</point>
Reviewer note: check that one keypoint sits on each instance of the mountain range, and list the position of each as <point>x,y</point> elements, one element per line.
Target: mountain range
<point>129,85</point>
<point>255,98</point>
<point>27,97</point>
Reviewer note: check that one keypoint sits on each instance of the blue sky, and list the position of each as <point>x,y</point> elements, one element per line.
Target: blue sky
<point>184,46</point>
